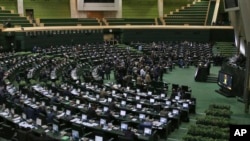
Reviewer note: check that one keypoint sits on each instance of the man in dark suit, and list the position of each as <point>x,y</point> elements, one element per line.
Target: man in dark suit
<point>91,113</point>
<point>112,106</point>
<point>50,115</point>
<point>129,134</point>
<point>54,99</point>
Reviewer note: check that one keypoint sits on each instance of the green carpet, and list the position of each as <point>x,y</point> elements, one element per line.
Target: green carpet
<point>205,95</point>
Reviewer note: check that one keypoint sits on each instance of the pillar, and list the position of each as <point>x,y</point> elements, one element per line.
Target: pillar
<point>160,8</point>
<point>20,7</point>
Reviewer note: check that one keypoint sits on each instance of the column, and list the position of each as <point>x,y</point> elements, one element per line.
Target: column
<point>244,10</point>
<point>73,8</point>
<point>20,7</point>
<point>119,8</point>
<point>160,8</point>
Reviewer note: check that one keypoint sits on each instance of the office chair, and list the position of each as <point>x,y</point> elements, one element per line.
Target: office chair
<point>124,138</point>
<point>184,88</point>
<point>175,86</point>
<point>8,131</point>
<point>21,135</point>
<point>43,118</point>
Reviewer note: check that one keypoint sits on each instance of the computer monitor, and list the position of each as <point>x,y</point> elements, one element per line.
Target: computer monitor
<point>109,99</point>
<point>138,106</point>
<point>68,112</point>
<point>185,105</point>
<point>231,5</point>
<point>66,98</point>
<point>175,111</point>
<point>147,131</point>
<point>152,100</point>
<point>149,93</point>
<point>87,92</point>
<point>12,110</point>
<point>168,102</point>
<point>97,96</point>
<point>102,121</point>
<point>137,97</point>
<point>137,90</point>
<point>84,117</point>
<point>38,122</point>
<point>125,94</point>
<point>98,138</point>
<point>123,113</point>
<point>163,120</point>
<point>105,109</point>
<point>77,101</point>
<point>55,128</point>
<point>24,116</point>
<point>177,97</point>
<point>123,103</point>
<point>75,135</point>
<point>54,108</point>
<point>43,103</point>
<point>124,126</point>
<point>142,116</point>
<point>162,95</point>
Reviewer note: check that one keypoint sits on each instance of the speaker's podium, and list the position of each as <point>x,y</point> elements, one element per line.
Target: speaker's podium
<point>202,72</point>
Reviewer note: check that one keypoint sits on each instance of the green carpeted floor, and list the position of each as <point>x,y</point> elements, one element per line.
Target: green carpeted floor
<point>205,95</point>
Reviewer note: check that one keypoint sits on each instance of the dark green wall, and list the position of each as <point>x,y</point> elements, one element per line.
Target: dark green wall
<point>27,40</point>
<point>45,39</point>
<point>150,35</point>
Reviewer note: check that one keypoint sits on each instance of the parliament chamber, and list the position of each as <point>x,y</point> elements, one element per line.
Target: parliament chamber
<point>111,70</point>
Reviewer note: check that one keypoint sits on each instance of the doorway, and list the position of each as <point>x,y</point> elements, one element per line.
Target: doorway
<point>30,13</point>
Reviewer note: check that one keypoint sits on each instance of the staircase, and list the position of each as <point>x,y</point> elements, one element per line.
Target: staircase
<point>11,19</point>
<point>192,14</point>
<point>226,49</point>
<point>212,79</point>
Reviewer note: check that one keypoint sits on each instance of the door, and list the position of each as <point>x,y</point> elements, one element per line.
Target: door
<point>30,13</point>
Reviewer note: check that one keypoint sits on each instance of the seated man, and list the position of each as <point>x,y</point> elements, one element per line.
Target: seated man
<point>50,115</point>
<point>130,135</point>
<point>109,115</point>
<point>91,113</point>
<point>145,124</point>
<point>112,106</point>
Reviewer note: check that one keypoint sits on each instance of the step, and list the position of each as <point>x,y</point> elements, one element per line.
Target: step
<point>212,79</point>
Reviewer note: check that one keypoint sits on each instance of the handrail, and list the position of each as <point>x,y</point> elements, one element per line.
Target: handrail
<point>208,9</point>
<point>216,10</point>
<point>58,28</point>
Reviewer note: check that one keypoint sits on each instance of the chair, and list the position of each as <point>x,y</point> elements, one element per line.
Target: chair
<point>184,88</point>
<point>43,118</point>
<point>78,128</point>
<point>22,135</point>
<point>175,86</point>
<point>8,131</point>
<point>124,138</point>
